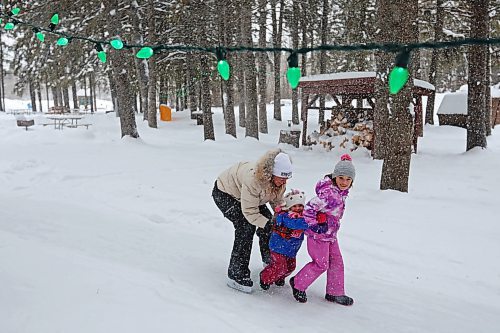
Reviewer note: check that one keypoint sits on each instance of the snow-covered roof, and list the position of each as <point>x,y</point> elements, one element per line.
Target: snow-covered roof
<point>357,75</point>
<point>337,76</point>
<point>81,92</point>
<point>454,103</point>
<point>494,90</point>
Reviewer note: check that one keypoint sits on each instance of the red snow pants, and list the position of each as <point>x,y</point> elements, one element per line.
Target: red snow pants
<point>280,267</point>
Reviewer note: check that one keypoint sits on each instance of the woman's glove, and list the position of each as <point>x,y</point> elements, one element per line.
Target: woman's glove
<point>268,227</point>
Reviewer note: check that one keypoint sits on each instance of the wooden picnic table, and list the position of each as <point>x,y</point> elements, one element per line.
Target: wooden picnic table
<point>71,121</point>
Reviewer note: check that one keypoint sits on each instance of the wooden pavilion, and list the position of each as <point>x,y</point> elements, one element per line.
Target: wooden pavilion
<point>346,87</point>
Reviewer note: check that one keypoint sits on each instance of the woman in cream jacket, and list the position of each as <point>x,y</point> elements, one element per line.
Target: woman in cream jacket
<point>241,193</point>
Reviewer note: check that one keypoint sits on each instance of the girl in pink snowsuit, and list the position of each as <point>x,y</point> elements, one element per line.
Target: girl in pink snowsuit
<point>323,213</point>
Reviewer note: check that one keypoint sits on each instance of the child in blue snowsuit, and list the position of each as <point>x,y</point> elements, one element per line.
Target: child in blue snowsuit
<point>286,239</point>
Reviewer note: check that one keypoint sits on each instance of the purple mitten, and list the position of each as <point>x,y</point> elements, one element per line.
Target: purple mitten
<point>319,228</point>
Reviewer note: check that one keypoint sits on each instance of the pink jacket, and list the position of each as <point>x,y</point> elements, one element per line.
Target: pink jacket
<point>330,200</point>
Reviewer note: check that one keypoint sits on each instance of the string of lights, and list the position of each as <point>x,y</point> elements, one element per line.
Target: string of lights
<point>397,78</point>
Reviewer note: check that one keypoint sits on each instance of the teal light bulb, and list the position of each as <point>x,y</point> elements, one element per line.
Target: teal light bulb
<point>397,79</point>
<point>224,69</point>
<point>293,76</point>
<point>117,44</point>
<point>145,53</point>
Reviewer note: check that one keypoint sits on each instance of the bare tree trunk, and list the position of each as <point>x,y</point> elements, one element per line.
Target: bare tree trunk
<point>240,85</point>
<point>227,86</point>
<point>383,61</point>
<point>65,92</point>
<point>112,88</point>
<point>74,94</point>
<point>125,98</point>
<point>94,87</point>
<point>55,96</point>
<point>206,101</point>
<point>251,119</point>
<point>2,76</point>
<point>295,44</point>
<point>399,128</point>
<point>434,66</point>
<point>262,68</point>
<point>163,87</point>
<point>192,83</point>
<point>60,95</point>
<point>141,65</point>
<point>304,25</point>
<point>487,90</point>
<point>85,91</point>
<point>91,90</point>
<point>356,26</point>
<point>39,92</point>
<point>240,69</point>
<point>152,118</point>
<point>277,35</point>
<point>32,96</point>
<point>47,93</point>
<point>322,58</point>
<point>476,101</point>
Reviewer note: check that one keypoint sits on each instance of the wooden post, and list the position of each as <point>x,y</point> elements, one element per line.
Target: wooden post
<point>304,105</point>
<point>419,123</point>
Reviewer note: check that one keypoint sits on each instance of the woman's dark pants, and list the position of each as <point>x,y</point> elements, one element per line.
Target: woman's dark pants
<point>243,234</point>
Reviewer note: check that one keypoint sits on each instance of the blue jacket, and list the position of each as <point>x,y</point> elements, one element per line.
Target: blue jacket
<point>283,238</point>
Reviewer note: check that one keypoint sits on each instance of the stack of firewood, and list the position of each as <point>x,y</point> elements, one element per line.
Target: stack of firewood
<point>364,138</point>
<point>344,133</point>
<point>337,126</point>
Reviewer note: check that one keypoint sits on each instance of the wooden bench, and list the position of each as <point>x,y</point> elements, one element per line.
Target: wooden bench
<point>25,123</point>
<point>58,110</point>
<point>75,126</point>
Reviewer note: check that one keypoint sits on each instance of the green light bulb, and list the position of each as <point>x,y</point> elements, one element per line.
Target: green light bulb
<point>15,11</point>
<point>55,19</point>
<point>397,79</point>
<point>293,76</point>
<point>117,44</point>
<point>102,56</point>
<point>40,36</point>
<point>9,26</point>
<point>145,53</point>
<point>223,69</point>
<point>62,41</point>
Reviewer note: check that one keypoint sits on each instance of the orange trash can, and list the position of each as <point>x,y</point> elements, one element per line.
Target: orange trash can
<point>165,113</point>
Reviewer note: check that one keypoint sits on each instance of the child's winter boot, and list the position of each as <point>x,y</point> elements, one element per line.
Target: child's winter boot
<point>263,285</point>
<point>343,300</point>
<point>299,295</point>
<point>280,282</point>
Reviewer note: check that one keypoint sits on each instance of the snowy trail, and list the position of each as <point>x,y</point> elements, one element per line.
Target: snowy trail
<point>99,234</point>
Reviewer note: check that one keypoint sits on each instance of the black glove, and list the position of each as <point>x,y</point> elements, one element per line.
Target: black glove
<point>268,227</point>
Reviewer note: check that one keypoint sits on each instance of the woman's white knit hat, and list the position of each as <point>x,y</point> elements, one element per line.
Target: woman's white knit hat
<point>344,167</point>
<point>282,166</point>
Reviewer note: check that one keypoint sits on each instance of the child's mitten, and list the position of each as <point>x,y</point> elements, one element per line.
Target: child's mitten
<point>319,228</point>
<point>321,218</point>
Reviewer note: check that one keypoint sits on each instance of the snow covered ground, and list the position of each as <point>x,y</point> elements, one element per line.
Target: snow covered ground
<point>102,234</point>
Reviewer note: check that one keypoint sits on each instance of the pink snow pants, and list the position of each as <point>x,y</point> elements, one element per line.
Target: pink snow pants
<point>325,256</point>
